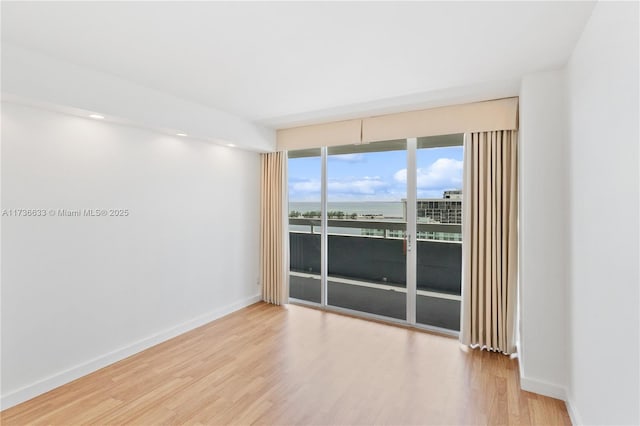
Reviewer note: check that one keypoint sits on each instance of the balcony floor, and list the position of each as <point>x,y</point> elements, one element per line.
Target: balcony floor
<point>436,310</point>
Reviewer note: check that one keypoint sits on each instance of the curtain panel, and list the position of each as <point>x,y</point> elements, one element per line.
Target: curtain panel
<point>274,239</point>
<point>490,240</point>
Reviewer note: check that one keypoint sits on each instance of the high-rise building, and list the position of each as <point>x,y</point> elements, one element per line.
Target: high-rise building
<point>455,194</point>
<point>446,210</point>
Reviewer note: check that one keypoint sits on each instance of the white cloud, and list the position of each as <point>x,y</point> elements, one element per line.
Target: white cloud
<point>360,185</point>
<point>400,176</point>
<point>348,188</point>
<point>444,173</point>
<point>348,158</point>
<point>305,186</point>
<point>366,185</point>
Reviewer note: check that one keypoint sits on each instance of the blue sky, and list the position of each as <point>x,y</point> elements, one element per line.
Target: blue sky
<point>376,176</point>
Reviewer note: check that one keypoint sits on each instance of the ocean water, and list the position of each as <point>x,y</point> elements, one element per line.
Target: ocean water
<point>388,209</point>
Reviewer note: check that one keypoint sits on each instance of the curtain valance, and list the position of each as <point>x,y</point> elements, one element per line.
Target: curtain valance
<point>499,114</point>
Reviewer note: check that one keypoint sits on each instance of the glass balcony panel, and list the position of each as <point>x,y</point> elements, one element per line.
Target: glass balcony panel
<point>304,224</point>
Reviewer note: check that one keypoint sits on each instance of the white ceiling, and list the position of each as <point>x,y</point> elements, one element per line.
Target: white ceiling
<point>284,63</point>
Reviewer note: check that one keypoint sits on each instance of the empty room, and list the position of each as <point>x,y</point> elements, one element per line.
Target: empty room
<point>320,213</point>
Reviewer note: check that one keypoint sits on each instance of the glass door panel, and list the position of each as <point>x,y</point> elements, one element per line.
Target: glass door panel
<point>304,172</point>
<point>439,231</point>
<point>366,212</point>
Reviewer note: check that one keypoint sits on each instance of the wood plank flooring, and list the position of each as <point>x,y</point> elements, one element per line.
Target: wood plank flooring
<point>294,365</point>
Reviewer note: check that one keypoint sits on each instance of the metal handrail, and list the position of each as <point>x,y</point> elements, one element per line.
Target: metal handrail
<point>396,225</point>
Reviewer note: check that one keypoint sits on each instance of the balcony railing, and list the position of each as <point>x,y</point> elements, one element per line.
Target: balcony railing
<point>368,273</point>
<point>390,225</point>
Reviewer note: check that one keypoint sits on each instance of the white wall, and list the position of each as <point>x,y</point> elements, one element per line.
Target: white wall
<point>81,292</point>
<point>603,114</point>
<point>579,228</point>
<point>544,202</point>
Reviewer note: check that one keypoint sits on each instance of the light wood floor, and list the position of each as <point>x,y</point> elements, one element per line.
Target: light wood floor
<point>294,365</point>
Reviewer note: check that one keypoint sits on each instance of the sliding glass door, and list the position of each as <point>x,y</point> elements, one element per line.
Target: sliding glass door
<point>305,230</point>
<point>376,229</point>
<point>439,231</point>
<point>366,250</point>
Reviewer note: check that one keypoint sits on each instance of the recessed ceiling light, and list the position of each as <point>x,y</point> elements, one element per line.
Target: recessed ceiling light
<point>231,145</point>
<point>97,116</point>
<point>182,134</point>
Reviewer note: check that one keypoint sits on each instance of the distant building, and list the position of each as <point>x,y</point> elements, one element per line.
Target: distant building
<point>439,210</point>
<point>447,210</point>
<point>378,233</point>
<point>455,194</point>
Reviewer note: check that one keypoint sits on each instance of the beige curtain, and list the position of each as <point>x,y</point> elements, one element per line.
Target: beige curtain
<point>490,240</point>
<point>274,240</point>
<point>473,117</point>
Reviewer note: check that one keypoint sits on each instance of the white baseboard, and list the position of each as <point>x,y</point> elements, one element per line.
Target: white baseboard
<point>573,413</point>
<point>543,388</point>
<point>553,391</point>
<point>30,391</point>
